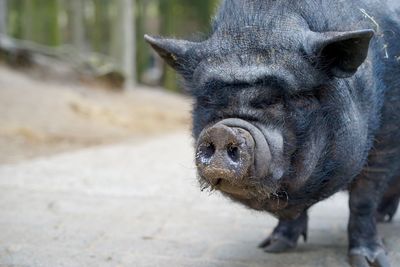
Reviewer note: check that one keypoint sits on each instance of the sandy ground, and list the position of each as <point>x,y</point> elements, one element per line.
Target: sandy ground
<point>139,205</point>
<point>42,117</point>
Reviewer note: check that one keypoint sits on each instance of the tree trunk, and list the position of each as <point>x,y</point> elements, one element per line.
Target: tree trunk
<point>76,25</point>
<point>27,21</point>
<point>100,31</point>
<point>3,16</point>
<point>49,10</point>
<point>128,43</point>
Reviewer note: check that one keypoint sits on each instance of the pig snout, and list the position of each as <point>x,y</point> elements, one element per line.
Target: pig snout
<point>225,153</point>
<point>230,151</point>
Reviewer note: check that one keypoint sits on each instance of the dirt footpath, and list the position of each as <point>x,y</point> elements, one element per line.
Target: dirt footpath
<point>43,117</point>
<point>139,205</point>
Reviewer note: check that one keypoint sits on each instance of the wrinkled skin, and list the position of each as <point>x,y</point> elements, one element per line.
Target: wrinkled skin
<point>321,81</point>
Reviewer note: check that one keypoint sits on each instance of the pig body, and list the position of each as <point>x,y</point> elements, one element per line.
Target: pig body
<point>295,101</point>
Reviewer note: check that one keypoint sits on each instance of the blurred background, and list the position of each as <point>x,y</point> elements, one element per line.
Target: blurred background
<point>77,73</point>
<point>96,158</point>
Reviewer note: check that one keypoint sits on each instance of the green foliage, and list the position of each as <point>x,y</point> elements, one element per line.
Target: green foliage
<point>35,20</point>
<point>101,25</point>
<point>142,50</point>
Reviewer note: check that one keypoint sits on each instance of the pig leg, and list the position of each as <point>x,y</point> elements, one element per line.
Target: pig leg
<point>389,202</point>
<point>387,208</point>
<point>286,234</point>
<point>365,246</point>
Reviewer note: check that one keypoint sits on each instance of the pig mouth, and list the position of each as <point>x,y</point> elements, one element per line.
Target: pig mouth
<point>234,190</point>
<point>255,197</point>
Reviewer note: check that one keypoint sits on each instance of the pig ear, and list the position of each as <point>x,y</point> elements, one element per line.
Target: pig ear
<point>341,53</point>
<point>174,52</point>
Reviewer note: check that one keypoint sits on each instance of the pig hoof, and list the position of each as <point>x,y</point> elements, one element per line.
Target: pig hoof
<point>277,244</point>
<point>286,234</point>
<point>387,209</point>
<point>358,260</point>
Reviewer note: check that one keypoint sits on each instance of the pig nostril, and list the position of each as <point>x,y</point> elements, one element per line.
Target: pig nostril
<point>207,151</point>
<point>233,153</point>
<point>216,182</point>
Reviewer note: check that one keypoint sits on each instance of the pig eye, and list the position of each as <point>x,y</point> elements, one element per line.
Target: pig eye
<point>304,100</point>
<point>263,103</point>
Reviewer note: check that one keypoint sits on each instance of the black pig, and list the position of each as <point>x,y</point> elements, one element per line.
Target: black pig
<point>295,101</point>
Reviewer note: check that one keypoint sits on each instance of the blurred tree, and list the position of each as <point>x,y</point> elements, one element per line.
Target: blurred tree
<point>99,23</point>
<point>14,21</point>
<point>149,66</point>
<point>108,27</point>
<point>123,41</point>
<point>3,16</point>
<point>142,53</point>
<point>76,27</point>
<point>40,21</point>
<point>128,42</point>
